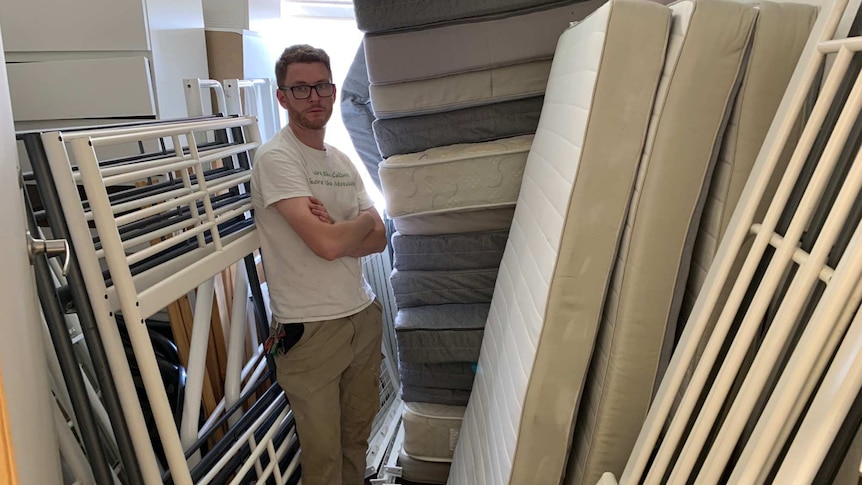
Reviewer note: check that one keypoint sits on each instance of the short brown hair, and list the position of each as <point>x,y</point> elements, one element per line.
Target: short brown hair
<point>303,53</point>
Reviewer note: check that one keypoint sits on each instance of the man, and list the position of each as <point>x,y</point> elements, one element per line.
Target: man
<point>315,220</point>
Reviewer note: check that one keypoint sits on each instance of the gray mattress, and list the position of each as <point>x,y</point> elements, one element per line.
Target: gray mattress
<point>465,47</point>
<point>456,222</point>
<point>474,250</point>
<point>437,334</point>
<point>357,114</point>
<point>451,375</point>
<point>396,136</point>
<point>450,397</point>
<point>418,288</point>
<point>389,15</point>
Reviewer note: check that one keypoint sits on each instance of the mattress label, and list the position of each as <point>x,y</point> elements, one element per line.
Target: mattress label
<point>453,438</point>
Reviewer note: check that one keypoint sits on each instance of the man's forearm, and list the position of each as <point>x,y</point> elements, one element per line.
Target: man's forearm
<point>374,242</point>
<point>350,235</point>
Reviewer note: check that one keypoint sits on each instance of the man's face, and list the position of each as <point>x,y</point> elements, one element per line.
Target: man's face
<point>312,113</point>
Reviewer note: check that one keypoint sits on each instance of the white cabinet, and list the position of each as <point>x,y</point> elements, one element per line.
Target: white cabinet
<point>101,58</point>
<point>89,25</point>
<point>85,88</point>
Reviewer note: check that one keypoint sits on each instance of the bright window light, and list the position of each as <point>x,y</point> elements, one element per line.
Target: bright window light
<point>323,24</point>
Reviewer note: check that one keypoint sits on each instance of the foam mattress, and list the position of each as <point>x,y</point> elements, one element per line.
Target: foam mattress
<point>417,288</point>
<point>467,47</point>
<point>488,122</point>
<point>570,214</point>
<point>431,430</point>
<point>708,47</point>
<point>388,15</point>
<point>461,90</point>
<point>782,30</point>
<point>455,222</point>
<point>357,114</point>
<point>452,375</point>
<point>455,177</point>
<point>474,250</point>
<point>440,333</point>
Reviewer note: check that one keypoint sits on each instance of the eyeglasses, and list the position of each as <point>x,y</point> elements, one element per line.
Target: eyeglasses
<point>303,91</point>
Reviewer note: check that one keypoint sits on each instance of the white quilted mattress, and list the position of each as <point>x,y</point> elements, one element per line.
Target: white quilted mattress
<point>455,177</point>
<point>569,216</point>
<point>431,430</point>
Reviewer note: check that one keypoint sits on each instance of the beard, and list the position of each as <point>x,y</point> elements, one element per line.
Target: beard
<point>305,121</point>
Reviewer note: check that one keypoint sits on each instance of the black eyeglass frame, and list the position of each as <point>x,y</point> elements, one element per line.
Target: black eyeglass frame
<point>316,87</point>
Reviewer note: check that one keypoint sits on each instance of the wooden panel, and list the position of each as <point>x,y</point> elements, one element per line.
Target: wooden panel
<point>90,88</point>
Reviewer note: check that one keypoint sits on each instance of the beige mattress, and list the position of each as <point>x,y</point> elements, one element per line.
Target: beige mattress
<point>466,176</point>
<point>708,44</point>
<point>782,30</point>
<point>431,430</point>
<point>456,222</point>
<point>462,90</point>
<point>569,216</point>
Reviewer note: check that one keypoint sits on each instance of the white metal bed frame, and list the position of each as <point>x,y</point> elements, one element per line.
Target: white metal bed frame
<point>687,430</point>
<point>140,296</point>
<point>243,97</point>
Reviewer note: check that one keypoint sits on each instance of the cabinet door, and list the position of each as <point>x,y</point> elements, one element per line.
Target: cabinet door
<point>81,25</point>
<point>86,88</point>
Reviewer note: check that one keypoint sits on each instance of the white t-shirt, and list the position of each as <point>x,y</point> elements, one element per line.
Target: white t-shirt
<point>304,287</point>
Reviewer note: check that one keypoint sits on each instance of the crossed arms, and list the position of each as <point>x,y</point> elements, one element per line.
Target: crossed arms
<point>330,240</point>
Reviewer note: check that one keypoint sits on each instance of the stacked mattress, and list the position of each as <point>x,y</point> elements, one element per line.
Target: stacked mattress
<point>592,278</point>
<point>452,130</point>
<point>570,215</point>
<point>479,74</point>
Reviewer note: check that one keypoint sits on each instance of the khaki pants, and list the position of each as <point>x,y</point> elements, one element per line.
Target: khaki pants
<point>331,379</point>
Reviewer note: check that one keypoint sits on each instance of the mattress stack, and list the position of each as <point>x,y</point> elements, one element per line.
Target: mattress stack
<point>453,94</point>
<point>641,103</point>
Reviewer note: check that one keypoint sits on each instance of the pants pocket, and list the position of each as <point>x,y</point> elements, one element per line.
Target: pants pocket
<point>289,336</point>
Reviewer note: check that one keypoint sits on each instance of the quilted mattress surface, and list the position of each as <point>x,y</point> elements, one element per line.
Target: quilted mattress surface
<point>417,288</point>
<point>569,216</point>
<point>389,15</point>
<point>431,430</point>
<point>455,177</point>
<point>456,222</point>
<point>438,334</point>
<point>472,46</point>
<point>452,375</point>
<point>474,250</point>
<point>397,136</point>
<point>460,90</point>
<point>420,471</point>
<point>702,72</point>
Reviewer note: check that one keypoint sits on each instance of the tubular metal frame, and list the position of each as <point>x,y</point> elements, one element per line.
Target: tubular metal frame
<point>141,295</point>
